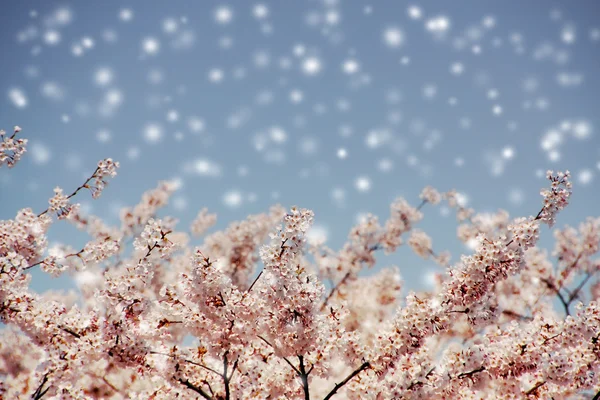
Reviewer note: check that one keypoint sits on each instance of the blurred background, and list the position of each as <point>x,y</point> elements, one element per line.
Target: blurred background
<point>338,106</point>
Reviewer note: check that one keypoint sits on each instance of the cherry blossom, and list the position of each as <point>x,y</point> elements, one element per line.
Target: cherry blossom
<point>256,311</point>
<point>11,149</point>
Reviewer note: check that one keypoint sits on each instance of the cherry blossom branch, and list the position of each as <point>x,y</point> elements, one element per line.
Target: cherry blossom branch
<point>187,361</point>
<point>163,237</point>
<point>470,373</point>
<point>343,281</point>
<point>195,388</point>
<point>415,383</point>
<point>78,254</point>
<point>571,267</point>
<point>83,186</point>
<point>334,289</point>
<point>283,247</point>
<point>11,149</point>
<point>304,377</point>
<point>535,388</point>
<point>338,386</point>
<point>254,282</point>
<point>576,291</point>
<point>113,387</point>
<point>300,370</point>
<point>428,195</point>
<point>105,168</point>
<point>70,332</point>
<point>566,302</point>
<point>556,290</point>
<point>513,314</point>
<point>39,393</point>
<point>284,358</point>
<point>227,378</point>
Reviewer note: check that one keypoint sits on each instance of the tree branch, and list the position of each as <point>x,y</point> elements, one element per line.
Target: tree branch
<point>470,373</point>
<point>304,378</point>
<point>334,289</point>
<point>226,378</point>
<point>558,294</point>
<point>39,393</point>
<point>84,186</point>
<point>196,389</point>
<point>285,358</point>
<point>576,291</point>
<point>187,361</point>
<point>254,282</point>
<point>337,387</point>
<point>535,388</point>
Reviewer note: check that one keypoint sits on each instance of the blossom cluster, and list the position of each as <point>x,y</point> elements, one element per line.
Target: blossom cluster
<point>259,312</point>
<point>11,149</point>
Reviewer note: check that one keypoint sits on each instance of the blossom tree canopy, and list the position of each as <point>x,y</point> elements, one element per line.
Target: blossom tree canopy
<point>275,316</point>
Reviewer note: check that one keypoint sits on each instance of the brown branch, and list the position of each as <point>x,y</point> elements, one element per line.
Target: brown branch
<point>337,387</point>
<point>573,295</point>
<point>576,291</point>
<point>227,379</point>
<point>78,254</point>
<point>304,378</point>
<point>558,294</point>
<point>163,235</point>
<point>535,388</point>
<point>283,247</point>
<point>196,389</point>
<point>570,268</point>
<point>470,373</point>
<point>39,393</point>
<point>187,361</point>
<point>233,369</point>
<point>84,186</point>
<point>285,358</point>
<point>513,314</point>
<point>255,280</point>
<point>113,387</point>
<point>546,340</point>
<point>71,332</point>
<point>334,289</point>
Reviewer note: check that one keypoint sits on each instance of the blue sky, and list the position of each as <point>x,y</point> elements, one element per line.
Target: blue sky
<point>337,106</point>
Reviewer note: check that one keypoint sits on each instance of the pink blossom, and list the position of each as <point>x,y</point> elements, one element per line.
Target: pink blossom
<point>272,316</point>
<point>11,149</point>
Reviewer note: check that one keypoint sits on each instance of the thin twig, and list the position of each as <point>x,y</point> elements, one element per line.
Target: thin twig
<point>187,361</point>
<point>470,373</point>
<point>195,388</point>
<point>535,388</point>
<point>43,260</point>
<point>558,294</point>
<point>334,289</point>
<point>576,291</point>
<point>84,186</point>
<point>255,280</point>
<point>285,358</point>
<point>39,393</point>
<point>71,332</point>
<point>337,387</point>
<point>513,314</point>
